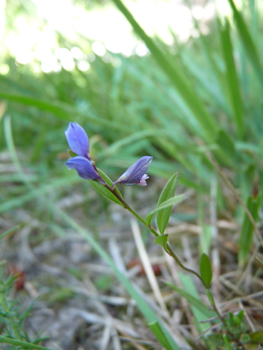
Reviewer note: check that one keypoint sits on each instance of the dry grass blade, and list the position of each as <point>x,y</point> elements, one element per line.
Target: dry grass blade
<point>147,266</point>
<point>133,341</point>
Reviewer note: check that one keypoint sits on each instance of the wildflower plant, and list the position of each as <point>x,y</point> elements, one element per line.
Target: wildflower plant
<point>137,174</point>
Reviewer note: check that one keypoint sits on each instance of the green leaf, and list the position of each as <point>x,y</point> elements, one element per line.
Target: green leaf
<point>256,337</point>
<point>104,191</point>
<point>168,203</point>
<point>162,241</point>
<point>157,330</point>
<point>226,144</point>
<point>198,304</point>
<point>244,338</point>
<point>247,229</point>
<point>167,193</point>
<point>206,270</point>
<point>240,315</point>
<point>227,342</point>
<point>232,79</point>
<point>247,41</point>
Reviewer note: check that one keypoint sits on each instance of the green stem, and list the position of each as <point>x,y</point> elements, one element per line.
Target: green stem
<point>174,256</point>
<point>126,206</point>
<point>11,318</point>
<point>169,249</point>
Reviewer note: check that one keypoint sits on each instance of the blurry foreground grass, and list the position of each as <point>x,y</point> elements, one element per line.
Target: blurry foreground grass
<point>197,109</point>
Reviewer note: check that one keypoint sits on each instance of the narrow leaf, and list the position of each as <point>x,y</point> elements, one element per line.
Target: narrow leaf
<point>259,260</point>
<point>62,110</point>
<point>168,203</point>
<point>9,231</point>
<point>227,342</point>
<point>232,79</point>
<point>167,193</point>
<point>226,144</point>
<point>21,344</point>
<point>206,270</point>
<point>162,241</point>
<point>247,41</point>
<point>247,229</point>
<point>157,330</point>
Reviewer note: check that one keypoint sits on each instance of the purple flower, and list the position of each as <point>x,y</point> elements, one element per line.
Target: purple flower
<point>84,168</point>
<point>78,140</point>
<point>79,143</point>
<point>136,174</point>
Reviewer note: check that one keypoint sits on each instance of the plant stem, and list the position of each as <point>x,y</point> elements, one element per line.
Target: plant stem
<point>11,318</point>
<point>174,256</point>
<point>126,206</point>
<point>169,249</point>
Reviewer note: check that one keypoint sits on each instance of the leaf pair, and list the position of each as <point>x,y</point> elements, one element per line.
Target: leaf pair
<point>165,203</point>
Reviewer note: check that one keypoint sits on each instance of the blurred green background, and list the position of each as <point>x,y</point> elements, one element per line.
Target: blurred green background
<point>176,80</point>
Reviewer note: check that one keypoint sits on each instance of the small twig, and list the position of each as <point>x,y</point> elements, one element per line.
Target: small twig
<point>247,317</point>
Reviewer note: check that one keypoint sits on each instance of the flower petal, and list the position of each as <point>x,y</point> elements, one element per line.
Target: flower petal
<point>84,168</point>
<point>136,173</point>
<point>77,139</point>
<point>143,179</point>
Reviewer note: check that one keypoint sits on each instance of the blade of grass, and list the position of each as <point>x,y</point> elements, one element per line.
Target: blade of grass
<point>248,229</point>
<point>157,330</point>
<point>193,301</point>
<point>61,109</point>
<point>232,79</point>
<point>21,344</point>
<point>205,120</point>
<point>9,231</point>
<point>247,41</point>
<point>199,310</point>
<point>19,201</point>
<point>220,81</point>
